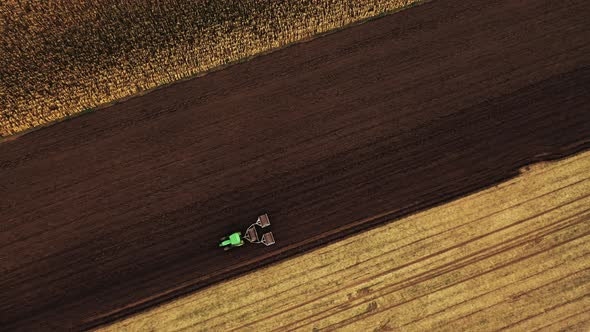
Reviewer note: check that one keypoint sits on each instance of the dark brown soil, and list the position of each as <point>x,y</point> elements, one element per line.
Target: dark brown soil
<point>106,214</point>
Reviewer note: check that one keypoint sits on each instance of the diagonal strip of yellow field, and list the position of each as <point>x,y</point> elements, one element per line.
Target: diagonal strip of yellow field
<point>515,256</point>
<point>61,58</point>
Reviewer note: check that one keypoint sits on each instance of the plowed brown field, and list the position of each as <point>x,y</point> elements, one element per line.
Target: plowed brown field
<point>112,212</point>
<point>515,257</point>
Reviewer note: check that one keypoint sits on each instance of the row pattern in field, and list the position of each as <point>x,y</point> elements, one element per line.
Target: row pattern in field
<point>58,58</point>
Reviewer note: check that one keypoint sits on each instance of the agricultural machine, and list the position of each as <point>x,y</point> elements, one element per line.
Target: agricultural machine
<point>251,235</point>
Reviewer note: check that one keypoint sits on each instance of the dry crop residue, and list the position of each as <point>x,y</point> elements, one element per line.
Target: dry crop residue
<point>514,256</point>
<point>59,59</point>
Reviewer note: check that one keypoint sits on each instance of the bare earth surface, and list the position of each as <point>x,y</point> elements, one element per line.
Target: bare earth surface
<point>114,211</point>
<point>519,264</point>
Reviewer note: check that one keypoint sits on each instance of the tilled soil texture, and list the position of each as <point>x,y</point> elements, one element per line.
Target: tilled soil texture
<point>520,264</point>
<point>109,213</point>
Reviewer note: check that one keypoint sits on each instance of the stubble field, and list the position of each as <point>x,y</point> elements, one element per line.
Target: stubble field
<point>60,58</point>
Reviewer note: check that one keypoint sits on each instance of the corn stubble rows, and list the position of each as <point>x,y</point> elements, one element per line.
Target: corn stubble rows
<point>60,58</point>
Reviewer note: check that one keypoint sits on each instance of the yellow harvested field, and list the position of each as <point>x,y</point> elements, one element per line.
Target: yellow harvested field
<point>60,58</point>
<point>514,257</point>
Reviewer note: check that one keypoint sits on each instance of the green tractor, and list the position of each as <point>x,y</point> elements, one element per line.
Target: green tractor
<point>251,235</point>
